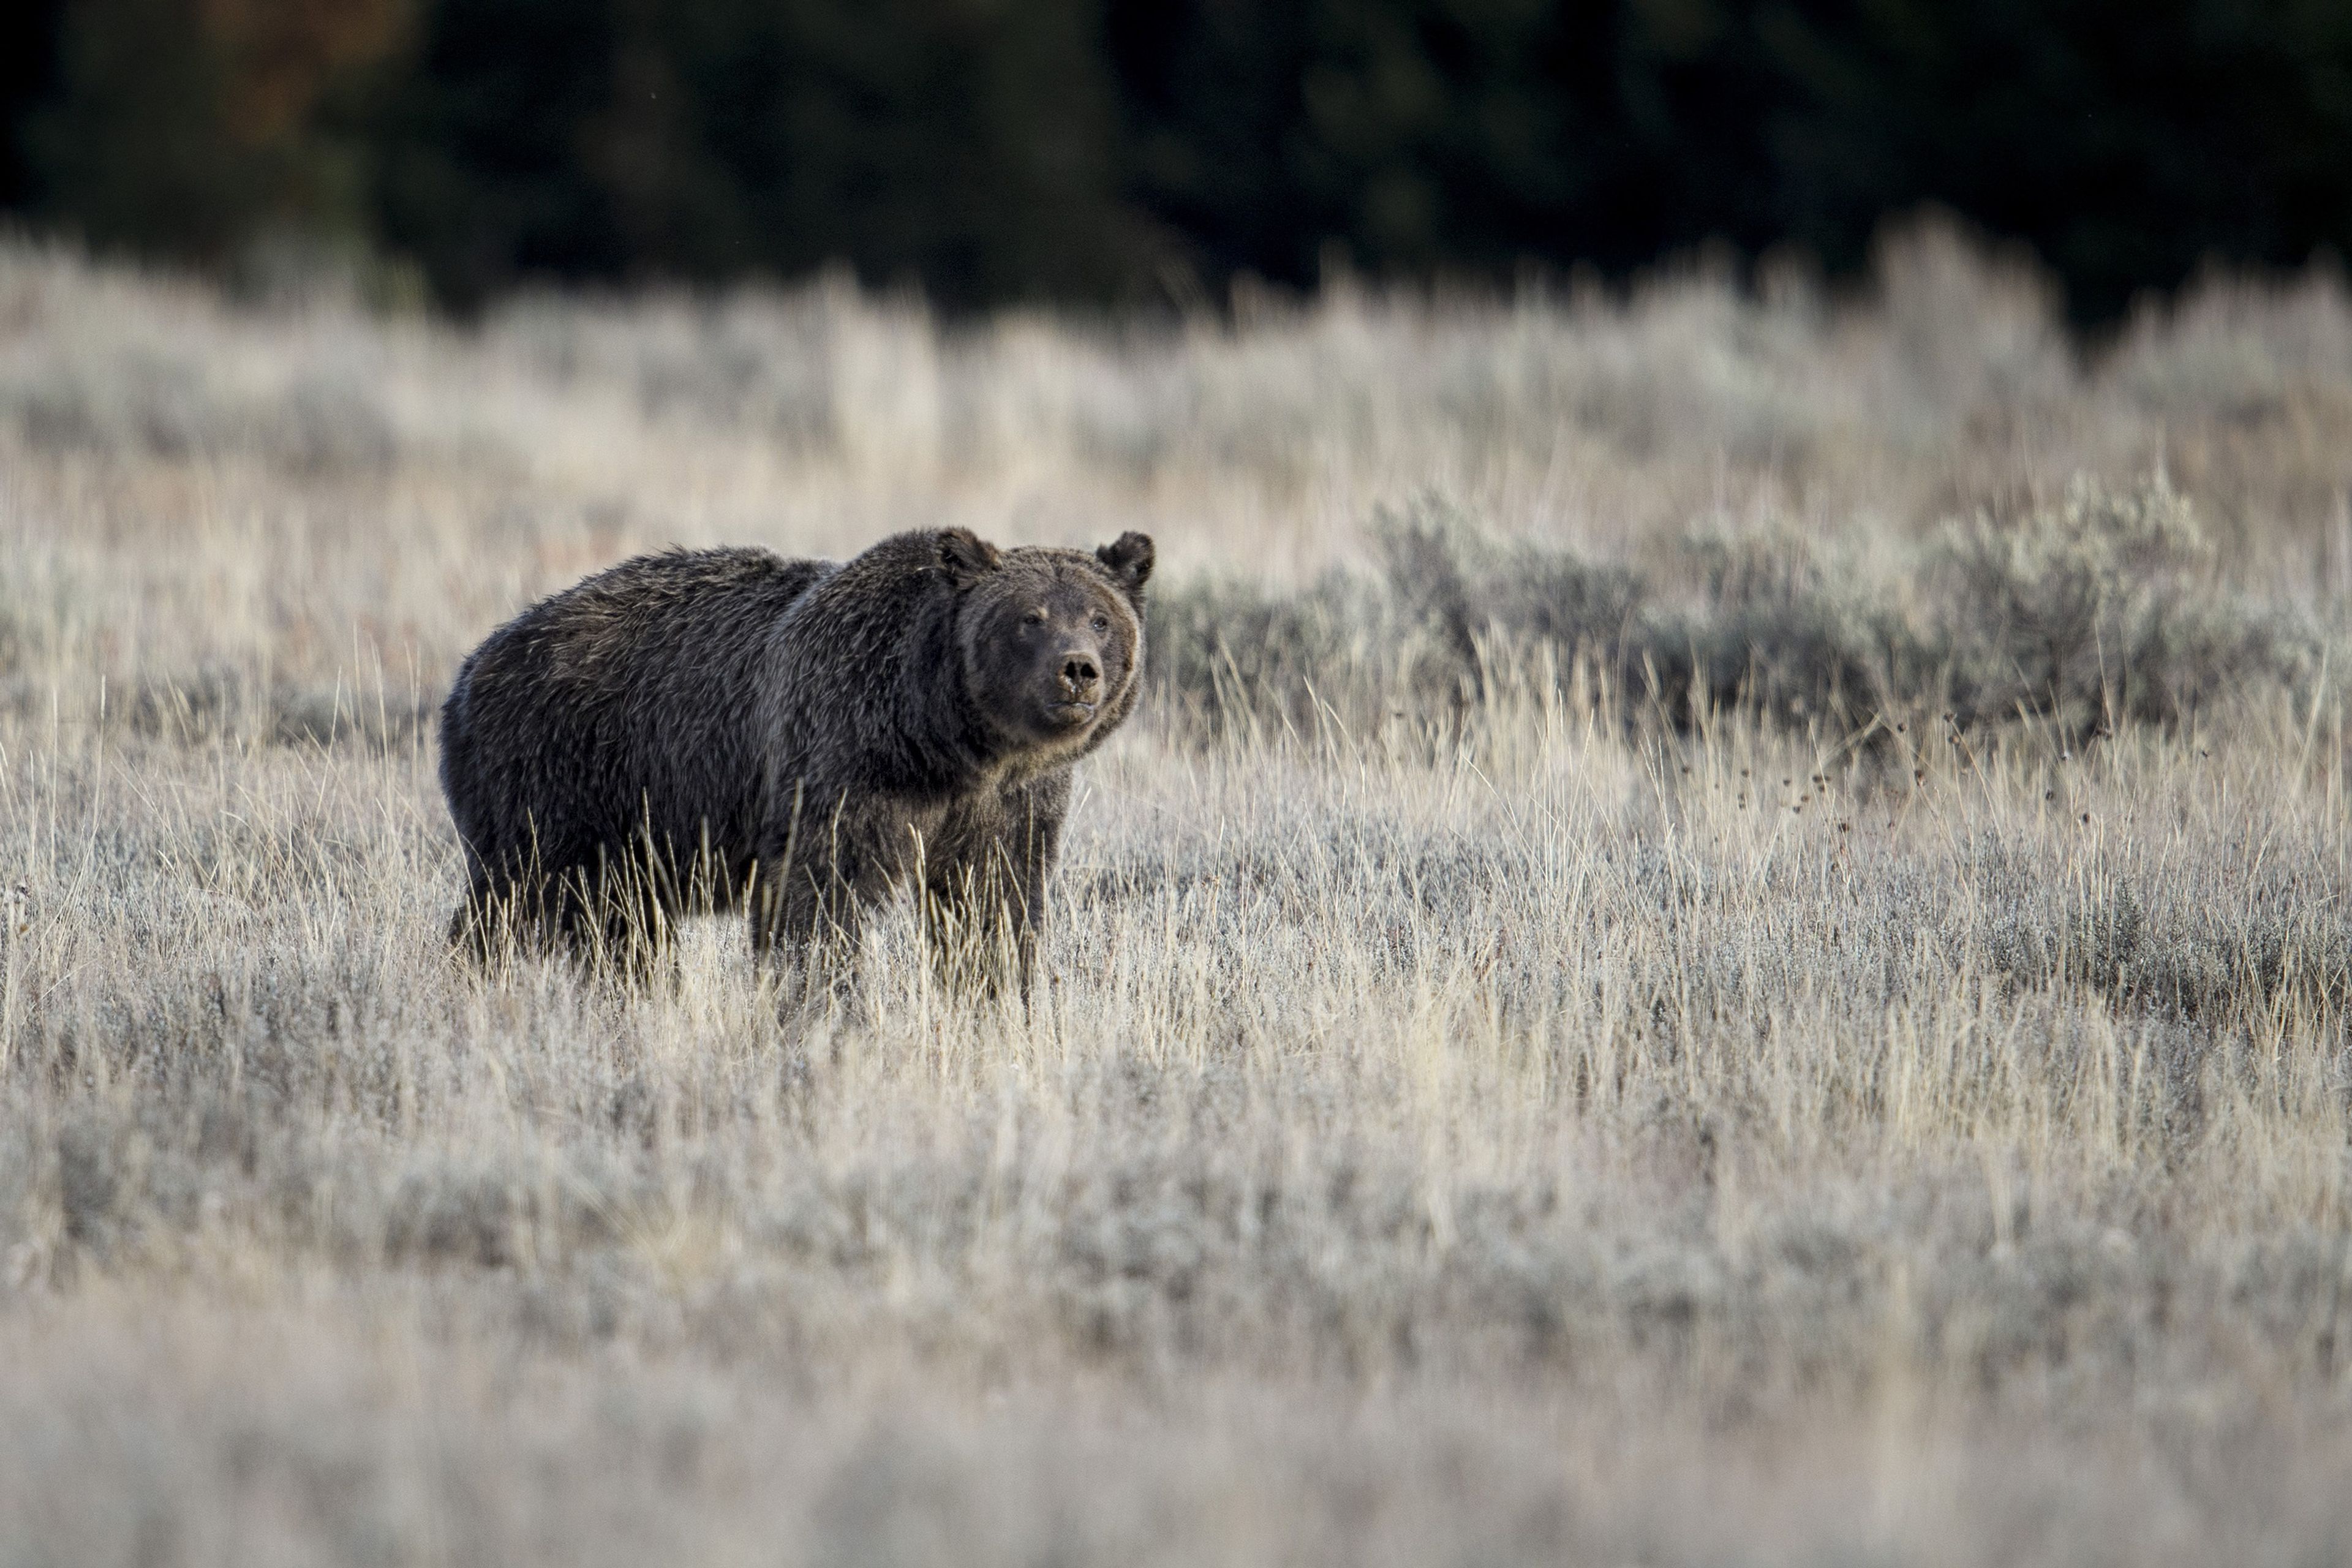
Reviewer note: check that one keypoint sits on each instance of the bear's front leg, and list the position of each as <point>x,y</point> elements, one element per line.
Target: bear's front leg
<point>808,897</point>
<point>984,888</point>
<point>806,926</point>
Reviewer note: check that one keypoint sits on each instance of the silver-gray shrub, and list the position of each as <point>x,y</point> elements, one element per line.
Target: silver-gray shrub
<point>2105,607</point>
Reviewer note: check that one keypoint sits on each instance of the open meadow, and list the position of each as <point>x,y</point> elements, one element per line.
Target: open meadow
<point>1725,936</point>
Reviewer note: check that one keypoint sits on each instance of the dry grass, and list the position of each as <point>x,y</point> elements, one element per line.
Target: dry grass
<point>1505,1106</point>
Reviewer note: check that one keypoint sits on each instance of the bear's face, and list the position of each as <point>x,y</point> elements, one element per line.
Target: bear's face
<point>1051,639</point>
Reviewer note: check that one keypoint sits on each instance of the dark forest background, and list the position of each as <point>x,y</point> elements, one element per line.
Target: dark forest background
<point>1103,150</point>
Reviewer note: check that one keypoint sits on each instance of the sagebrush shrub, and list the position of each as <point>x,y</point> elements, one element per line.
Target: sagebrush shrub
<point>2103,608</point>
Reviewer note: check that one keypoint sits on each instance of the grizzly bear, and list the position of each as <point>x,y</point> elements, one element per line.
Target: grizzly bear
<point>702,731</point>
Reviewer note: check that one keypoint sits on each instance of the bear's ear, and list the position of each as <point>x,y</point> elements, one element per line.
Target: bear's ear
<point>965,556</point>
<point>1128,560</point>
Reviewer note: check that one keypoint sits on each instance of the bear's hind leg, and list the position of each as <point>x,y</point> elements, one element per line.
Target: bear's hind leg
<point>499,917</point>
<point>616,920</point>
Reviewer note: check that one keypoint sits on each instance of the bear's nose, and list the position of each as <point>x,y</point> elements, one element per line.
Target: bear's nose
<point>1080,673</point>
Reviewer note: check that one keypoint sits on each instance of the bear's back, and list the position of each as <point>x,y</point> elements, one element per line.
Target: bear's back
<point>620,703</point>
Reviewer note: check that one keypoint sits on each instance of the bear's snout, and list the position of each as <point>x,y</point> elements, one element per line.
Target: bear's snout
<point>1081,676</point>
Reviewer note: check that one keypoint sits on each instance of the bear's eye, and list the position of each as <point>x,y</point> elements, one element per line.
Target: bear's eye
<point>1102,622</point>
<point>1034,618</point>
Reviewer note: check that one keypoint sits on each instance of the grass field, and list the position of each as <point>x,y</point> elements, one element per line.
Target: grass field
<point>1726,937</point>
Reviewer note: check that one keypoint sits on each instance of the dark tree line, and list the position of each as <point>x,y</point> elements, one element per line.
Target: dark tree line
<point>1108,149</point>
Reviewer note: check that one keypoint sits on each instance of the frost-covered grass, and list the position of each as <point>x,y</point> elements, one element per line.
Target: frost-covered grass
<point>1702,954</point>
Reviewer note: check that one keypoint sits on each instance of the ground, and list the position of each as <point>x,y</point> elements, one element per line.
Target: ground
<point>1501,1099</point>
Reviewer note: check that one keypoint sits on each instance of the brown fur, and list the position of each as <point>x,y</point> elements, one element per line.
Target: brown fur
<point>701,730</point>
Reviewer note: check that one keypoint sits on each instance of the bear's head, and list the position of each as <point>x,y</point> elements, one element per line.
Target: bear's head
<point>1051,639</point>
